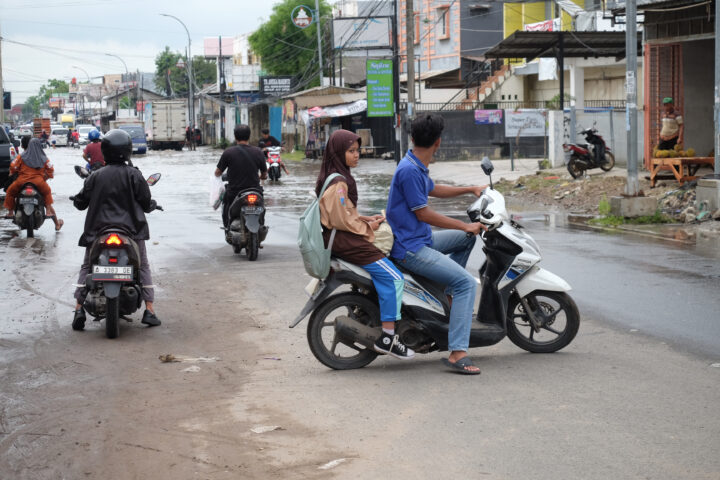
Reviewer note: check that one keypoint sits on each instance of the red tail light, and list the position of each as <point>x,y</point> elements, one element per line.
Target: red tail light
<point>28,191</point>
<point>113,260</point>
<point>113,239</point>
<point>252,198</point>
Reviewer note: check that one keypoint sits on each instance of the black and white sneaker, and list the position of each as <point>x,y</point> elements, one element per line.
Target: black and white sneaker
<point>391,345</point>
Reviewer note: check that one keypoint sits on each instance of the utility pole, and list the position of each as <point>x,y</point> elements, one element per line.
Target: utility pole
<point>717,89</point>
<point>410,55</point>
<point>2,92</point>
<point>137,90</point>
<point>221,63</point>
<point>632,187</point>
<point>396,83</point>
<point>319,39</point>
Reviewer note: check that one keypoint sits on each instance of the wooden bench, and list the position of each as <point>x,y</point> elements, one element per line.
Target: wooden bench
<point>679,166</point>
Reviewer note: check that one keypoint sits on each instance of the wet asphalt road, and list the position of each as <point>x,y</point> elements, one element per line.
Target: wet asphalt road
<point>644,285</point>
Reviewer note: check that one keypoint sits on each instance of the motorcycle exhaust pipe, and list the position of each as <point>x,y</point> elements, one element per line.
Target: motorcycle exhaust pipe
<point>354,331</point>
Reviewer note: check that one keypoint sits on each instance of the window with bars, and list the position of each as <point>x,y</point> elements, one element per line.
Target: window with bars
<point>443,24</point>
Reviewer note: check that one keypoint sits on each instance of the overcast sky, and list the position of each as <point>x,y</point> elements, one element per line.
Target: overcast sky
<point>61,34</point>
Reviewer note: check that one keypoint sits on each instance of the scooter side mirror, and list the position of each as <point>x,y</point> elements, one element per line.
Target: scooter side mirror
<point>82,172</point>
<point>487,166</point>
<point>153,179</point>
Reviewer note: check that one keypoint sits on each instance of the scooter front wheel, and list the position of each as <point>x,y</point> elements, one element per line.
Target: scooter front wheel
<point>331,349</point>
<point>559,321</point>
<point>609,162</point>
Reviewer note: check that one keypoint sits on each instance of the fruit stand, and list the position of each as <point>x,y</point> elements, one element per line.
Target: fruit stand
<point>682,164</point>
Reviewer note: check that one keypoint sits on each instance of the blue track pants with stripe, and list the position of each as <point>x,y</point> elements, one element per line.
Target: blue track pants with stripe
<point>389,283</point>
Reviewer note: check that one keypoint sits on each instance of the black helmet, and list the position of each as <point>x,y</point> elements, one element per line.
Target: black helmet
<point>116,146</point>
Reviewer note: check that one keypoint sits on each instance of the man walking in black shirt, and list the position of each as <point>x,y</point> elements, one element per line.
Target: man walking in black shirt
<point>243,162</point>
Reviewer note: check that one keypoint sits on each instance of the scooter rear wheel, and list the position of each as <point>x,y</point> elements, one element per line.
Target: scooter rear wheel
<point>560,323</point>
<point>325,343</point>
<point>112,318</point>
<point>30,225</point>
<point>252,246</point>
<point>574,168</point>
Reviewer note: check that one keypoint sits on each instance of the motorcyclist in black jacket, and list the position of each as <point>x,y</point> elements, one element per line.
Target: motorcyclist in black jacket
<point>116,196</point>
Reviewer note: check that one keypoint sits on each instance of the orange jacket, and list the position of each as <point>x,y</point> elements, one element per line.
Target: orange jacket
<point>27,174</point>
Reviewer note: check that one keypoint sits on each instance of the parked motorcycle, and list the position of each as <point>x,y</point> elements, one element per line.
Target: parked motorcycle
<point>582,157</point>
<point>29,212</point>
<point>518,299</point>
<point>113,284</point>
<point>273,163</point>
<point>245,223</point>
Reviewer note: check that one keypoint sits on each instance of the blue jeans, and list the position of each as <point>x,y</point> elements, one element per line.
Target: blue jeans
<point>434,263</point>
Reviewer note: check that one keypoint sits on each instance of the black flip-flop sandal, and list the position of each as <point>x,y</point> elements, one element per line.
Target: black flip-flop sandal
<point>459,366</point>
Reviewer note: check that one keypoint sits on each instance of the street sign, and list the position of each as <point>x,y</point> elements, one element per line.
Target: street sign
<point>380,88</point>
<point>300,18</point>
<point>7,100</point>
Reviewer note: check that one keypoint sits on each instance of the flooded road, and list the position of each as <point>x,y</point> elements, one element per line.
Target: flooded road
<point>661,288</point>
<point>617,402</point>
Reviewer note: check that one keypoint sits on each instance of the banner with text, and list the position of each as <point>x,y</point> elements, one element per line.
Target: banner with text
<point>528,122</point>
<point>488,117</point>
<point>379,88</point>
<point>343,110</point>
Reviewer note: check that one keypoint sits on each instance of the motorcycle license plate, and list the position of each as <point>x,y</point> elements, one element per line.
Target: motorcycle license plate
<point>110,270</point>
<point>23,201</point>
<point>252,210</point>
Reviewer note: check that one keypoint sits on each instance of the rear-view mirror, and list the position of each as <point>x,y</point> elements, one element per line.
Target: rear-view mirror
<point>153,179</point>
<point>487,166</point>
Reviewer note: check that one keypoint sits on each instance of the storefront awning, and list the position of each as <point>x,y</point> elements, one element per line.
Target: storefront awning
<point>530,45</point>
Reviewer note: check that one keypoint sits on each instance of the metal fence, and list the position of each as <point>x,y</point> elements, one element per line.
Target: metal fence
<point>506,105</point>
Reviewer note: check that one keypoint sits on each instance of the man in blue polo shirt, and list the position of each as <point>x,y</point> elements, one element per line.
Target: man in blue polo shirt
<point>440,256</point>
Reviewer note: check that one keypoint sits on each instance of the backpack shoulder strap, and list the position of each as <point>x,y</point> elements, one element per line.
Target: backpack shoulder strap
<point>328,180</point>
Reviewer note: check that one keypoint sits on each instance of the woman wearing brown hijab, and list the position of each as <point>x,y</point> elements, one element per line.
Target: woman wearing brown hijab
<point>354,235</point>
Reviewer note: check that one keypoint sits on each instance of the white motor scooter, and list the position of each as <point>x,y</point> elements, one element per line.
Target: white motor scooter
<point>518,299</point>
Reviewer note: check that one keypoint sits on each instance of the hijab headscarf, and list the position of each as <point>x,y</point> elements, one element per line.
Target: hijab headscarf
<point>34,157</point>
<point>334,161</point>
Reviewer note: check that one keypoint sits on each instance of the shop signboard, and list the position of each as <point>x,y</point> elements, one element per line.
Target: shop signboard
<point>488,117</point>
<point>276,86</point>
<point>343,110</point>
<point>380,88</point>
<point>362,33</point>
<point>529,122</point>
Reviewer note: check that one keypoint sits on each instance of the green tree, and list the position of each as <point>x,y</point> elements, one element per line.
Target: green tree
<point>52,87</point>
<point>173,80</point>
<point>35,103</point>
<point>285,49</point>
<point>31,107</point>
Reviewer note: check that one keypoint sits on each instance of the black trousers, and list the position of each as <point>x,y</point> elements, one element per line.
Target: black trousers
<point>668,144</point>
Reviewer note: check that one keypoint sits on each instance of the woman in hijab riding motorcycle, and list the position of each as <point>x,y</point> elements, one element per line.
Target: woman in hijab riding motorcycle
<point>32,166</point>
<point>355,233</point>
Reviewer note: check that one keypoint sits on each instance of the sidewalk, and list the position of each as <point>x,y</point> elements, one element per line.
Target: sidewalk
<point>469,172</point>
